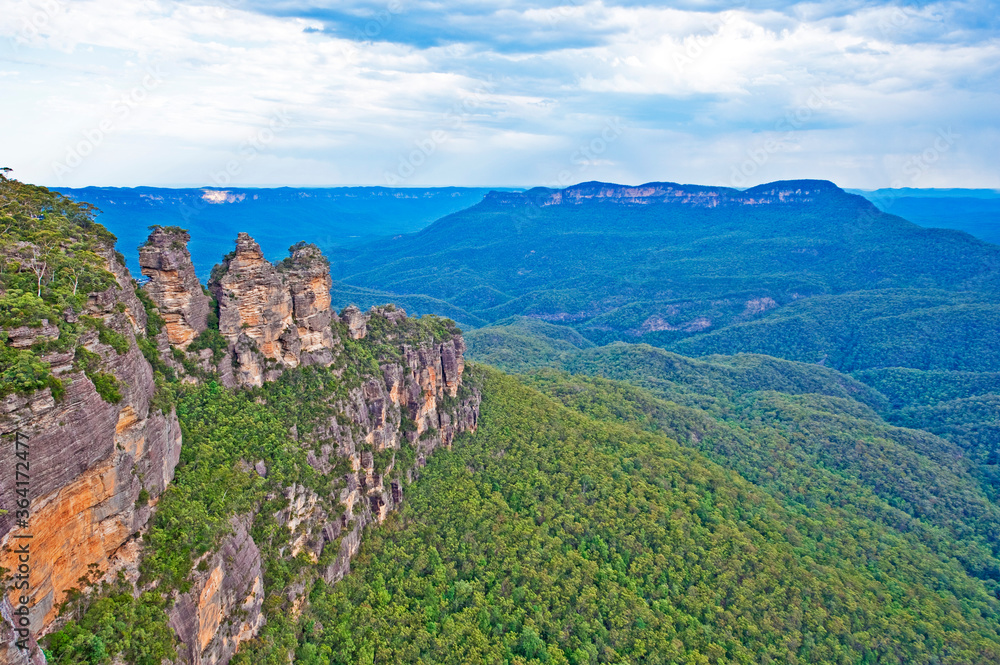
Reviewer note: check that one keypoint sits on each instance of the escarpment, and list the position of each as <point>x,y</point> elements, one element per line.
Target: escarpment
<point>95,374</point>
<point>390,393</point>
<point>372,429</point>
<point>98,452</point>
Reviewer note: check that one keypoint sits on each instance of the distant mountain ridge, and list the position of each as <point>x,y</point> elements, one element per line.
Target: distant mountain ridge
<point>665,263</point>
<point>277,217</point>
<point>975,211</point>
<point>787,191</point>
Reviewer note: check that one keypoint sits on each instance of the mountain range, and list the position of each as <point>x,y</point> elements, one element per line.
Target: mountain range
<point>690,424</point>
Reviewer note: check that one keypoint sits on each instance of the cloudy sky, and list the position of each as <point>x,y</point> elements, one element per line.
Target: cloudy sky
<point>504,93</point>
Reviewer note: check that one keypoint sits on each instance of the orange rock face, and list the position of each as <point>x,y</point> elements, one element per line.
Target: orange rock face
<point>89,462</point>
<point>173,285</point>
<point>278,313</point>
<point>223,608</point>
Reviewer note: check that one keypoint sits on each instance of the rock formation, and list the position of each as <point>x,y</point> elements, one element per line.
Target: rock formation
<point>417,402</point>
<point>99,464</point>
<point>307,274</point>
<point>406,408</point>
<point>173,285</point>
<point>90,459</point>
<point>273,317</point>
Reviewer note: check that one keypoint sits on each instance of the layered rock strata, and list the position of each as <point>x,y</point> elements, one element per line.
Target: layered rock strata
<point>274,317</point>
<point>90,459</point>
<point>374,443</point>
<point>173,285</point>
<point>99,466</point>
<point>223,608</point>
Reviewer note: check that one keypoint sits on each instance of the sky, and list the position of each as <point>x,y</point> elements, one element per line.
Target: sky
<point>509,93</point>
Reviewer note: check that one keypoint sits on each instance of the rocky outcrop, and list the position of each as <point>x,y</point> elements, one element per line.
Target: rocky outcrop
<point>374,442</point>
<point>173,285</point>
<point>416,403</point>
<point>95,466</point>
<point>99,464</point>
<point>223,607</point>
<point>273,317</point>
<point>307,274</point>
<point>355,321</point>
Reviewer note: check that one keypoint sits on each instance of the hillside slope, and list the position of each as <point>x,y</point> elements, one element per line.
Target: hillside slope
<point>796,269</point>
<point>555,536</point>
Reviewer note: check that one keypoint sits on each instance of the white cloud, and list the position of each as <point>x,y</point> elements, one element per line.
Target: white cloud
<point>703,87</point>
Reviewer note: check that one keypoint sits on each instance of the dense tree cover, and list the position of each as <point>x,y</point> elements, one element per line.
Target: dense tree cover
<point>960,406</point>
<point>963,407</point>
<point>554,536</point>
<point>521,342</point>
<point>921,329</point>
<point>805,433</point>
<point>115,622</point>
<point>910,387</point>
<point>589,534</point>
<point>861,288</point>
<point>52,256</point>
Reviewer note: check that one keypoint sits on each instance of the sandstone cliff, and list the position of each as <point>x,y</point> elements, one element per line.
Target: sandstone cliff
<point>385,417</point>
<point>273,317</point>
<point>90,458</point>
<point>102,450</point>
<point>223,609</point>
<point>377,435</point>
<point>165,259</point>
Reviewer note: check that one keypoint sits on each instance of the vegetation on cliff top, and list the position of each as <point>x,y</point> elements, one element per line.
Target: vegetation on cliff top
<point>52,256</point>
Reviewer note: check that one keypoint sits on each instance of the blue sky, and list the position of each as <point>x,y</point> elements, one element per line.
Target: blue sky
<point>509,93</point>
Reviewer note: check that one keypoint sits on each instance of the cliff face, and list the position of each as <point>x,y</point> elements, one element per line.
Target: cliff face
<point>776,193</point>
<point>377,436</point>
<point>408,406</point>
<point>273,317</point>
<point>382,424</point>
<point>223,609</point>
<point>89,389</point>
<point>173,285</point>
<point>89,458</point>
<point>308,278</point>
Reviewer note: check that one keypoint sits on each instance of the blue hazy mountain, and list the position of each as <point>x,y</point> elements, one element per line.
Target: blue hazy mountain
<point>975,211</point>
<point>330,217</point>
